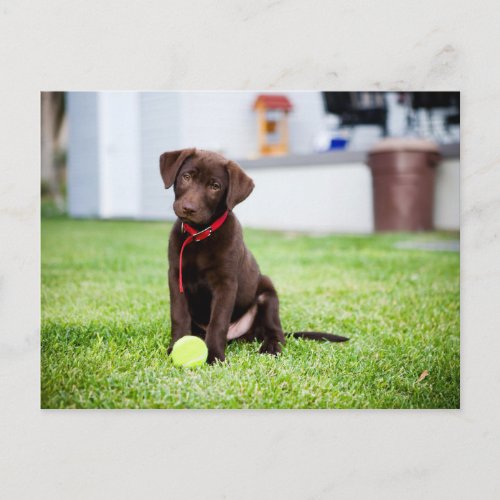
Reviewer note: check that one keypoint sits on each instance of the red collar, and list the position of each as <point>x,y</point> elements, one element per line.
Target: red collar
<point>197,236</point>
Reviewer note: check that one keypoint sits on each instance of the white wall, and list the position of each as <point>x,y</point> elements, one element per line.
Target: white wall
<point>119,172</point>
<point>226,121</point>
<point>447,195</point>
<point>160,131</point>
<point>305,121</point>
<point>219,121</point>
<point>310,198</point>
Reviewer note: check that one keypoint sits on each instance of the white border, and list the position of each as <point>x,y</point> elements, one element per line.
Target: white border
<point>178,45</point>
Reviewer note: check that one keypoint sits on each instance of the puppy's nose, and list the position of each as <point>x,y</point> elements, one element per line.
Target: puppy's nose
<point>188,209</point>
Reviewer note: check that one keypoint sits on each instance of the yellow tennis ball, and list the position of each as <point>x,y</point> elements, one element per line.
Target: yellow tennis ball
<point>189,351</point>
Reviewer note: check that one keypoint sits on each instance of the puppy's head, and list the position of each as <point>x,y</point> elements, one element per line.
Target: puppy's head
<point>205,184</point>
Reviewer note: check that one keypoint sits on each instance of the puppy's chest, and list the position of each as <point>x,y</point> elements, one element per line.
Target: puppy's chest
<point>199,260</point>
<point>202,267</point>
<point>200,278</point>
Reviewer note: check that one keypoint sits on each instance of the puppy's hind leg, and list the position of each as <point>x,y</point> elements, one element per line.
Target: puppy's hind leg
<point>268,322</point>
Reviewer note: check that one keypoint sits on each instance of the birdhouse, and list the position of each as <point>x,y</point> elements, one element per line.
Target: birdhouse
<point>272,116</point>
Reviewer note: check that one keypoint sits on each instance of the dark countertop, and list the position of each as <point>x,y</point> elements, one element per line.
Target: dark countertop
<point>332,157</point>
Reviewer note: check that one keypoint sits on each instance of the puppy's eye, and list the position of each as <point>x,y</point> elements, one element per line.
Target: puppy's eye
<point>215,186</point>
<point>186,176</point>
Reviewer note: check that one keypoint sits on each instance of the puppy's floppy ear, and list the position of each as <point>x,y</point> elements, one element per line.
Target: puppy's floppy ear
<point>171,162</point>
<point>240,185</point>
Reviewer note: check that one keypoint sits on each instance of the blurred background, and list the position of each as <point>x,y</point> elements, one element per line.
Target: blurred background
<point>345,162</point>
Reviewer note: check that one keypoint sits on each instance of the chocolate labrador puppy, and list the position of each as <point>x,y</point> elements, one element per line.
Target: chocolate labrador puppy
<point>216,289</point>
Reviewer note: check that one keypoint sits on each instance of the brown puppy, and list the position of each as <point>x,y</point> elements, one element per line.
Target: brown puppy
<point>220,294</point>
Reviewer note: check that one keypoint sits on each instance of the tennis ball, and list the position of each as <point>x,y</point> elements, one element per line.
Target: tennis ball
<point>189,351</point>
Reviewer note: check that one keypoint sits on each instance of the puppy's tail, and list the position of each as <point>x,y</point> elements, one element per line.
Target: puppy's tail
<point>318,336</point>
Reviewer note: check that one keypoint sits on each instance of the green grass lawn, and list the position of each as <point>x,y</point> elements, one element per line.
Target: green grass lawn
<point>105,323</point>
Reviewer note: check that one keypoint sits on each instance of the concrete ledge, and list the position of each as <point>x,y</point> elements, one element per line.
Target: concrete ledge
<point>330,158</point>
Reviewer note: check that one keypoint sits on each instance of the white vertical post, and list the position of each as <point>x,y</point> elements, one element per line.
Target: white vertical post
<point>119,154</point>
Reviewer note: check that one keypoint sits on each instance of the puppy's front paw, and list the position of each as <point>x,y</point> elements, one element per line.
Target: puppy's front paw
<point>270,346</point>
<point>214,356</point>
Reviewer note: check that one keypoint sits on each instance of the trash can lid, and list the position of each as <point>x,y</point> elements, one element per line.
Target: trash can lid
<point>404,144</point>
